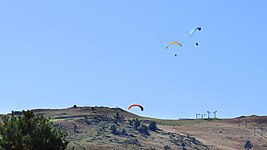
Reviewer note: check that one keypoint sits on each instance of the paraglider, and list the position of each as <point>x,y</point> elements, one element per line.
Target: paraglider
<point>173,43</point>
<point>193,30</point>
<point>141,107</point>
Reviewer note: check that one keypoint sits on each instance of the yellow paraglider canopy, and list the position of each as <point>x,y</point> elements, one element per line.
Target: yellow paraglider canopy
<point>173,43</point>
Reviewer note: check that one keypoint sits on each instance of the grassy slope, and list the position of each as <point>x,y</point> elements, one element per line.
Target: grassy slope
<point>89,129</point>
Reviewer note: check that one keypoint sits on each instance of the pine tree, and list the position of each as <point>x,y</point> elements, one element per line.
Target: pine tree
<point>30,132</point>
<point>118,118</point>
<point>152,126</point>
<point>136,123</point>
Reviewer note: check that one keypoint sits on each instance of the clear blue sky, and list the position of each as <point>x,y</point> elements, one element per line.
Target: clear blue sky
<point>54,54</point>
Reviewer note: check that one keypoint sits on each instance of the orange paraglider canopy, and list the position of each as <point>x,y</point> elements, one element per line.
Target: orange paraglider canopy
<point>142,108</point>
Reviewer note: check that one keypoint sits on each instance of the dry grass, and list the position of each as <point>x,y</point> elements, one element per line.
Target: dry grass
<point>224,134</point>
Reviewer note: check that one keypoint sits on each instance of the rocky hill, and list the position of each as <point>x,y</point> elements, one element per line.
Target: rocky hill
<point>115,128</point>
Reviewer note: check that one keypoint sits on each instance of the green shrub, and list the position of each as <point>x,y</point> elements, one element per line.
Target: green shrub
<point>152,126</point>
<point>131,122</point>
<point>123,132</point>
<point>118,118</point>
<point>136,123</point>
<point>114,129</point>
<point>166,147</point>
<point>248,145</point>
<point>143,129</point>
<point>31,132</point>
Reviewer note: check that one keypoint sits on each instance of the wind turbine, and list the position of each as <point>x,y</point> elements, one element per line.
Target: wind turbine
<point>208,114</point>
<point>197,116</point>
<point>214,113</point>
